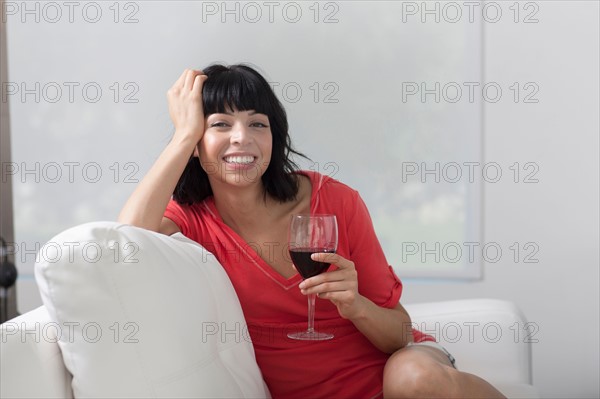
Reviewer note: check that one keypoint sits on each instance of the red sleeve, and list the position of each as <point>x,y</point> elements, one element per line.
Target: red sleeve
<point>376,278</point>
<point>177,213</point>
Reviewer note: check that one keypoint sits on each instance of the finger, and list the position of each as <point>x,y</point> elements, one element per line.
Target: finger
<point>324,278</point>
<point>336,296</point>
<point>199,82</point>
<point>190,77</point>
<point>335,286</point>
<point>181,80</point>
<point>335,259</point>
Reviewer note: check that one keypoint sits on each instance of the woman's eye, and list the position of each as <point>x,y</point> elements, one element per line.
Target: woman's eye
<point>218,124</point>
<point>259,124</point>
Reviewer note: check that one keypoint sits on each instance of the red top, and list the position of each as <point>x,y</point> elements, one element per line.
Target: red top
<point>347,365</point>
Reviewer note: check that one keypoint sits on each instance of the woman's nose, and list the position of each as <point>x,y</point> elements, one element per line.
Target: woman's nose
<point>240,134</point>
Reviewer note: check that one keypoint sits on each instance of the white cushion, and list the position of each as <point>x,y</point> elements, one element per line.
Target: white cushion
<point>487,337</point>
<point>141,314</point>
<point>31,365</point>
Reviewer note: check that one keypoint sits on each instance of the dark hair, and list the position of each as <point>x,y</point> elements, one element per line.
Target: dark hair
<point>240,87</point>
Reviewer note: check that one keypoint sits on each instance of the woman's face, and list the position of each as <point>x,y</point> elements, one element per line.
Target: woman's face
<point>236,147</point>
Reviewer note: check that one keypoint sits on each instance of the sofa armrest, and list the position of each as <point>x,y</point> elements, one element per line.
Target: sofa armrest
<point>488,337</point>
<point>31,364</point>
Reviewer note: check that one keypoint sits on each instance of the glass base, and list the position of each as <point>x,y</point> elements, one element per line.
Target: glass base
<point>310,336</point>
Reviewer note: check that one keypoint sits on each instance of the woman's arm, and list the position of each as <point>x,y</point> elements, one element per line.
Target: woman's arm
<point>146,205</point>
<point>365,289</point>
<point>387,329</point>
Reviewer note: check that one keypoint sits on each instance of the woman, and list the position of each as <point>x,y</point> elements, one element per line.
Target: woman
<point>226,181</point>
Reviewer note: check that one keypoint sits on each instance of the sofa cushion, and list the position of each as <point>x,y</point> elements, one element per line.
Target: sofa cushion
<point>141,314</point>
<point>31,365</point>
<point>482,335</point>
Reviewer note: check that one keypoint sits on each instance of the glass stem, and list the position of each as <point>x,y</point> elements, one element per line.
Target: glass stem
<point>311,312</point>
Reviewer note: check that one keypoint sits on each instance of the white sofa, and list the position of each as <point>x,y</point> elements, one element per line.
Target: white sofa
<point>166,357</point>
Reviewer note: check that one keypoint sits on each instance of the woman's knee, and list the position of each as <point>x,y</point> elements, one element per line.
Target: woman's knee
<point>417,372</point>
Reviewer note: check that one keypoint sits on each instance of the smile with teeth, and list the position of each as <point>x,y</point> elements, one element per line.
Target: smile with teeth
<point>239,159</point>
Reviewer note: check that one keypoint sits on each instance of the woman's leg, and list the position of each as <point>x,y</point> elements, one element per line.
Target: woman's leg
<point>419,371</point>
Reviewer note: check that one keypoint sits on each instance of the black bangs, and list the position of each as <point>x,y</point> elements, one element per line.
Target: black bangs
<point>236,88</point>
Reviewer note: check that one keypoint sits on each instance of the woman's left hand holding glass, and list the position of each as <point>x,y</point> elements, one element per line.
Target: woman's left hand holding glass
<point>339,286</point>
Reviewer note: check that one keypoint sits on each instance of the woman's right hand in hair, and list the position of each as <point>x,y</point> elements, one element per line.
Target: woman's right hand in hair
<point>146,206</point>
<point>185,106</point>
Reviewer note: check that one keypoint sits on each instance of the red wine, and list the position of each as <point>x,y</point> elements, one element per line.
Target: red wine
<point>305,265</point>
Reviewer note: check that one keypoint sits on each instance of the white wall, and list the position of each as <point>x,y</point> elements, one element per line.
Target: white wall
<point>361,102</point>
<point>560,213</point>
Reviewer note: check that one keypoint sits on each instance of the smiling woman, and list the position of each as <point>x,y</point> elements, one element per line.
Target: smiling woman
<point>235,190</point>
<point>241,88</point>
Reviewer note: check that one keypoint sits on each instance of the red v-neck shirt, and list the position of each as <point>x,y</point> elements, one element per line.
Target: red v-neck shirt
<point>347,366</point>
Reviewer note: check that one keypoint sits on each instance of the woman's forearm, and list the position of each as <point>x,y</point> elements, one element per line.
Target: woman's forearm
<point>387,329</point>
<point>146,205</point>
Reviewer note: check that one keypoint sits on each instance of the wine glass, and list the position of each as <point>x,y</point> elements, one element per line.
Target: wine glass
<point>311,234</point>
